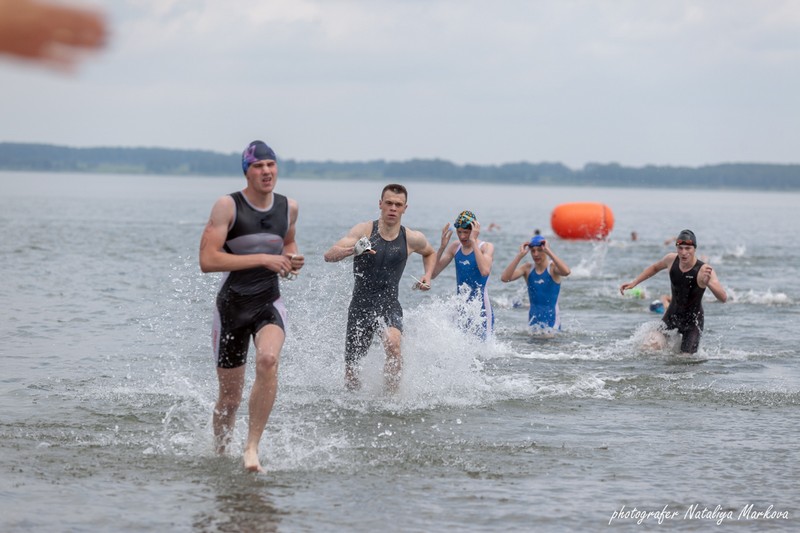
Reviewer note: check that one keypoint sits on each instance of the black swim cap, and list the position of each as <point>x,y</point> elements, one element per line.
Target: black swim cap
<point>687,238</point>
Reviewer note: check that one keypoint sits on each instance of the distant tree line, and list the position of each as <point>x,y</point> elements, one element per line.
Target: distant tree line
<point>50,158</point>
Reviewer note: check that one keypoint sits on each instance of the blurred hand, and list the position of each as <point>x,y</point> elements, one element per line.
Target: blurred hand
<point>52,34</point>
<point>447,234</point>
<point>297,261</point>
<point>704,275</point>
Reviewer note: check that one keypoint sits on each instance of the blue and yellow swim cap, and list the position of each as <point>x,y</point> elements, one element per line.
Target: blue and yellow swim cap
<point>465,219</point>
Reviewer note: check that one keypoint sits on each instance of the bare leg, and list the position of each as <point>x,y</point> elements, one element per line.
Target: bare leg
<point>269,341</point>
<point>231,383</point>
<point>393,367</point>
<point>351,380</point>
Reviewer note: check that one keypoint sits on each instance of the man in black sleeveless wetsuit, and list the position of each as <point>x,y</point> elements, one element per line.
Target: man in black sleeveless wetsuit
<point>250,237</point>
<point>380,249</point>
<point>689,278</point>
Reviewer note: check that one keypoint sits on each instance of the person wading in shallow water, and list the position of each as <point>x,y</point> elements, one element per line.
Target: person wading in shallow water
<point>689,278</point>
<point>543,277</point>
<point>474,260</point>
<point>380,249</point>
<point>250,236</point>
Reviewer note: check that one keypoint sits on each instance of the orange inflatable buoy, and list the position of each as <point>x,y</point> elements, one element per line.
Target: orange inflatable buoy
<point>582,220</point>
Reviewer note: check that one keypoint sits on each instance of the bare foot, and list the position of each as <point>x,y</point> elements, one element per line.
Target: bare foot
<point>251,462</point>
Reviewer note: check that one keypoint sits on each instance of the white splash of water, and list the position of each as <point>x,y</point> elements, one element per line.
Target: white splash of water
<point>759,297</point>
<point>592,266</point>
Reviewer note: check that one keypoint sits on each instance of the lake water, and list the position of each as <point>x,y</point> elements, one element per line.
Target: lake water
<point>108,380</point>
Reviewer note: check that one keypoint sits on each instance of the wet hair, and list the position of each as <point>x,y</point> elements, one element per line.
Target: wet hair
<point>395,188</point>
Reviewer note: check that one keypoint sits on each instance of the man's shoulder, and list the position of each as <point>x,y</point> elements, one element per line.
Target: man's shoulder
<point>362,228</point>
<point>225,201</point>
<point>363,223</point>
<point>412,231</point>
<point>669,259</point>
<point>416,236</point>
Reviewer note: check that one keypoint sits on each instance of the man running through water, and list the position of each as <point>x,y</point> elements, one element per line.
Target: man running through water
<point>689,278</point>
<point>380,249</point>
<point>250,237</point>
<point>474,260</point>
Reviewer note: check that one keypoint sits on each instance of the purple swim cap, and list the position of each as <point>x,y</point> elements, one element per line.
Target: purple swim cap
<point>256,151</point>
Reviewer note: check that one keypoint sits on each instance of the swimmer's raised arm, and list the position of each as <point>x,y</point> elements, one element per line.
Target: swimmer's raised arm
<point>649,272</point>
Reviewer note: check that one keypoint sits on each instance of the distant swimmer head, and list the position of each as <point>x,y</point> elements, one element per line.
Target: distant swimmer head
<point>537,240</point>
<point>686,238</point>
<point>465,219</point>
<point>657,306</point>
<point>256,151</point>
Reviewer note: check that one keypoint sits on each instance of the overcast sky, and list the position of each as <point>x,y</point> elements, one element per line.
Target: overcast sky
<point>668,82</point>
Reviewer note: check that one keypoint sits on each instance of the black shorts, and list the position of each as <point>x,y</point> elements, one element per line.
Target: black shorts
<point>238,318</point>
<point>689,326</point>
<point>363,321</point>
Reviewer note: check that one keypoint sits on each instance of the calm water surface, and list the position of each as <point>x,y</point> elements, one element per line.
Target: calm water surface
<point>108,380</point>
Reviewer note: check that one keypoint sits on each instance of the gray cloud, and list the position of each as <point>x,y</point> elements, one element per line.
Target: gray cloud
<point>683,82</point>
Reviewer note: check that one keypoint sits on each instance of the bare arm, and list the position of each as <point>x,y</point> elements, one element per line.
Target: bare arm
<point>445,253</point>
<point>558,268</point>
<point>345,247</point>
<point>289,243</point>
<point>443,259</point>
<point>649,272</point>
<point>419,244</point>
<point>483,257</point>
<point>513,271</point>
<point>213,258</point>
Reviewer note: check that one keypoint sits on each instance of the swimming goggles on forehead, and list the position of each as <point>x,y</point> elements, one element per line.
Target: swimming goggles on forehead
<point>684,242</point>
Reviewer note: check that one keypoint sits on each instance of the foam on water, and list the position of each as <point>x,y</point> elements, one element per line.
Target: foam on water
<point>592,266</point>
<point>760,297</point>
<point>441,363</point>
<point>444,368</point>
<point>531,387</point>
